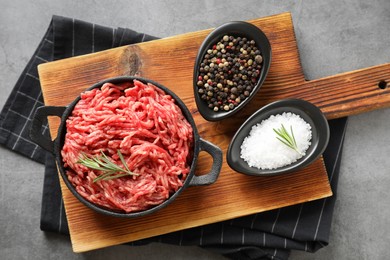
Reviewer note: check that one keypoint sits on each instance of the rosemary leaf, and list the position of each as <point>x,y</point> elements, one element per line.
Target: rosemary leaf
<point>293,138</point>
<point>106,166</point>
<point>114,176</point>
<point>123,160</point>
<point>104,176</point>
<point>286,138</point>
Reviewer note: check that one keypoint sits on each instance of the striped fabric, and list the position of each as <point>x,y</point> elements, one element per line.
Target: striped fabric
<point>268,235</point>
<point>15,118</point>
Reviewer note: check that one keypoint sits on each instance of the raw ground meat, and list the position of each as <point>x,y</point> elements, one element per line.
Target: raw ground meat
<point>147,127</point>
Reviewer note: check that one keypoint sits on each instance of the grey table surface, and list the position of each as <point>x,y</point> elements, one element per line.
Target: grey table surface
<point>333,37</point>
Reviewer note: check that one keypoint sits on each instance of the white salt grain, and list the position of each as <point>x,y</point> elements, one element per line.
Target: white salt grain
<point>261,148</point>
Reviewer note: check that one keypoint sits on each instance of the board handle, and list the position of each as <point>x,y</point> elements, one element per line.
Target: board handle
<point>350,93</point>
<point>212,176</point>
<point>35,131</point>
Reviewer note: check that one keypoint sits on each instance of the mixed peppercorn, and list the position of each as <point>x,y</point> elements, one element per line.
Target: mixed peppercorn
<point>229,72</point>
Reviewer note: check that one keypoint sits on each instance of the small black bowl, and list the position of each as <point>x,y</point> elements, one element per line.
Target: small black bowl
<point>307,111</point>
<point>242,29</point>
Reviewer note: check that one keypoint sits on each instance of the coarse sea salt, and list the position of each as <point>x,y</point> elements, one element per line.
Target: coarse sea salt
<point>261,148</point>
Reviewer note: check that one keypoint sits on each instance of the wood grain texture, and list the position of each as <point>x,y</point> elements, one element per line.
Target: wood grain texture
<point>170,62</point>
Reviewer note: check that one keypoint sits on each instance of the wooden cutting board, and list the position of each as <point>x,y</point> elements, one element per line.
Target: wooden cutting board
<point>170,62</point>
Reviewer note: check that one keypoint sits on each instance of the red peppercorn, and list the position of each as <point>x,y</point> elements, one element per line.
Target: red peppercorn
<point>200,78</point>
<point>214,47</point>
<point>218,61</point>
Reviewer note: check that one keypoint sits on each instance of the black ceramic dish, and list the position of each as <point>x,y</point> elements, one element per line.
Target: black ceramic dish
<point>242,29</point>
<point>56,146</point>
<point>309,112</point>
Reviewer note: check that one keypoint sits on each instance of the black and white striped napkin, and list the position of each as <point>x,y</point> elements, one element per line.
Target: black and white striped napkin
<point>268,235</point>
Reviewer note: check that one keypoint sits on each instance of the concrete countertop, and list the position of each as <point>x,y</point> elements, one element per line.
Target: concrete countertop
<point>333,37</point>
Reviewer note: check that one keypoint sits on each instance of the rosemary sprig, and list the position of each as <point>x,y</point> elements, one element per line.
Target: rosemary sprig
<point>287,138</point>
<point>104,164</point>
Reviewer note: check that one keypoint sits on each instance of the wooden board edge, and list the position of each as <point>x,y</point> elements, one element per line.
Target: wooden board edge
<point>79,248</point>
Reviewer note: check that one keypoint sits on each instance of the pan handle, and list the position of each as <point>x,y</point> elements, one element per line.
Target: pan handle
<point>212,176</point>
<point>37,122</point>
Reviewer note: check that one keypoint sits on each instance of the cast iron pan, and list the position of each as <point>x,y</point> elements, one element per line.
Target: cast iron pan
<point>56,146</point>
